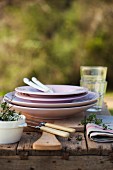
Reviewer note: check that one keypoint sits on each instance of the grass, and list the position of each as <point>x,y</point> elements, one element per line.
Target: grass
<point>111,111</point>
<point>109,98</point>
<point>2,93</point>
<point>109,94</point>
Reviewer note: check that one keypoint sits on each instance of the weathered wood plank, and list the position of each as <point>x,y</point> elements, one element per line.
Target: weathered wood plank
<point>99,148</point>
<point>71,145</point>
<point>75,145</point>
<point>57,163</point>
<point>27,140</point>
<point>9,149</point>
<point>25,146</point>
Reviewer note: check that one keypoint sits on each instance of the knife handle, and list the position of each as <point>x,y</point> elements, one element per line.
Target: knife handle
<point>67,129</point>
<point>54,131</point>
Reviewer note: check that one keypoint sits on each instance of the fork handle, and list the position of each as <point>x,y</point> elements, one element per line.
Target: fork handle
<point>39,83</point>
<point>54,131</point>
<point>30,83</point>
<point>67,129</point>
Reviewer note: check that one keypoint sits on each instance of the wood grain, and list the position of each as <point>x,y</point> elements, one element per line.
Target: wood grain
<point>57,163</point>
<point>47,142</point>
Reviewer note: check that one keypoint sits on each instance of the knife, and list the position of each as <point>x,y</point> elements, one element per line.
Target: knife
<point>51,125</point>
<point>47,129</point>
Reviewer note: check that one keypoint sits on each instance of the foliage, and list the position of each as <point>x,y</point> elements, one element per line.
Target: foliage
<point>92,118</point>
<point>52,39</point>
<point>111,111</point>
<point>6,114</point>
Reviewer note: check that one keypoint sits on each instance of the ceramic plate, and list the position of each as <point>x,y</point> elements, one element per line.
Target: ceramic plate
<point>88,99</point>
<point>59,90</point>
<point>46,100</point>
<point>51,113</point>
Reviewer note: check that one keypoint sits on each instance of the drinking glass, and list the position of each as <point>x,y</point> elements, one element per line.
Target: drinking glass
<point>97,87</point>
<point>93,73</point>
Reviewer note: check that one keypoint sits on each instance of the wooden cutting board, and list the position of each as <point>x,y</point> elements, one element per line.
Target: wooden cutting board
<point>49,141</point>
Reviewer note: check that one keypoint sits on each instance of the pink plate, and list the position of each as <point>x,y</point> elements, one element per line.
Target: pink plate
<point>87,99</point>
<point>51,113</point>
<point>59,90</point>
<point>48,99</point>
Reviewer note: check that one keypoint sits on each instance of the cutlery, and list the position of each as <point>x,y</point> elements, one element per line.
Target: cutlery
<point>59,127</point>
<point>30,83</point>
<point>48,124</point>
<point>47,129</point>
<point>34,79</point>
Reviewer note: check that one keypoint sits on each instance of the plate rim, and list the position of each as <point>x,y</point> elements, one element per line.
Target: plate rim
<point>51,109</point>
<point>51,105</point>
<point>67,98</point>
<point>53,94</point>
<point>53,113</point>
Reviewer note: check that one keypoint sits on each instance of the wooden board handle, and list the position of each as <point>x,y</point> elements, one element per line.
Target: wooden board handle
<point>55,131</point>
<point>67,129</point>
<point>47,142</point>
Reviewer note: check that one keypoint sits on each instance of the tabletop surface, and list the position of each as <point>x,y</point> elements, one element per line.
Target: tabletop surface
<point>72,145</point>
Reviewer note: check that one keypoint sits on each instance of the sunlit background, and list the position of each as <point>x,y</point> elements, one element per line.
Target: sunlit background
<point>51,39</point>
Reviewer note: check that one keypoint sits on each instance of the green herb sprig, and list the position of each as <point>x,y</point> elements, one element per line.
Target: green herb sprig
<point>8,114</point>
<point>93,119</point>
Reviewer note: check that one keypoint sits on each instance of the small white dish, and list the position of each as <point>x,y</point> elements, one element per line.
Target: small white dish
<point>11,131</point>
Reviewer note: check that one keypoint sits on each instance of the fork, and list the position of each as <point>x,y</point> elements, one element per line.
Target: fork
<point>36,86</point>
<point>36,81</point>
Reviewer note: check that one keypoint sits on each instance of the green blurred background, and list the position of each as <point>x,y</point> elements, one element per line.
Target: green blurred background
<point>51,39</point>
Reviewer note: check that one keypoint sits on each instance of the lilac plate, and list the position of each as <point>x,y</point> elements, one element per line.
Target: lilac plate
<point>50,113</point>
<point>59,90</point>
<point>84,100</point>
<point>52,100</point>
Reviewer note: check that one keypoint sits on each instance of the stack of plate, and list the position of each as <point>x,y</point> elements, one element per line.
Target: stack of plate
<point>65,101</point>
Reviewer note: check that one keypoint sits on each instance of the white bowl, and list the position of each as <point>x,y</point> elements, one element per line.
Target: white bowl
<point>11,131</point>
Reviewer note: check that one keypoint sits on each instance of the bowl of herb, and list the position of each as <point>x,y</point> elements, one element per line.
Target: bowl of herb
<point>11,124</point>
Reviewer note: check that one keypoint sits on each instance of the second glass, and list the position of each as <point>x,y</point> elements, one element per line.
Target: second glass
<point>93,73</point>
<point>98,87</point>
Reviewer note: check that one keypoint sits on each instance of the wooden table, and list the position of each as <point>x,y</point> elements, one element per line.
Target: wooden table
<point>74,155</point>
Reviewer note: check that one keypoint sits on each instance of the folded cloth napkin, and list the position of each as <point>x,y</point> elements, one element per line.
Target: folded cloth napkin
<point>97,133</point>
